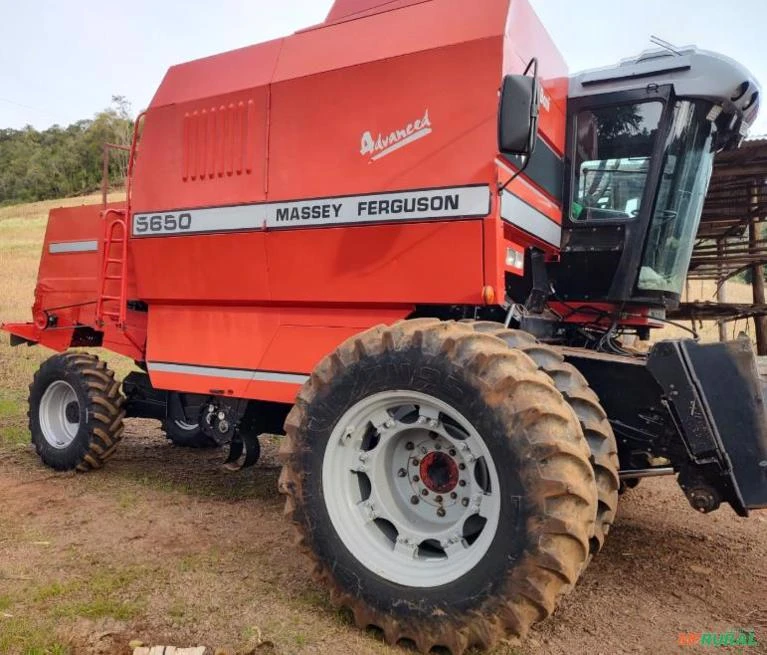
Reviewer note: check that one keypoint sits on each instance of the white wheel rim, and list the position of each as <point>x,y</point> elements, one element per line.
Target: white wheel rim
<point>59,414</point>
<point>189,427</point>
<point>372,472</point>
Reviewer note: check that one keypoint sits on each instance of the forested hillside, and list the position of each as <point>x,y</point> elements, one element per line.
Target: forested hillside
<point>62,161</point>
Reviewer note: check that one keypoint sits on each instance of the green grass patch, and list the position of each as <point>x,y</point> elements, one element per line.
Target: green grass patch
<point>13,435</point>
<point>116,594</point>
<point>122,610</point>
<point>10,408</point>
<point>54,590</point>
<point>21,635</point>
<point>54,649</point>
<point>177,610</point>
<point>127,499</point>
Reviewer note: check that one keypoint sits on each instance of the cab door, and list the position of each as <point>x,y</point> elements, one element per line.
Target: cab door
<point>613,141</point>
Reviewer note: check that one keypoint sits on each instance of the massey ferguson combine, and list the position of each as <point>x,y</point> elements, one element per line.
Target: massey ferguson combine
<point>409,225</point>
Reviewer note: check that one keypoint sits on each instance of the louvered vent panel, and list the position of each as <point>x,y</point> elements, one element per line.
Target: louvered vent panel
<point>219,141</point>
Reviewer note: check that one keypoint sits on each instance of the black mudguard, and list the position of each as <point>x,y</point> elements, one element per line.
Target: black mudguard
<point>699,406</point>
<point>715,395</point>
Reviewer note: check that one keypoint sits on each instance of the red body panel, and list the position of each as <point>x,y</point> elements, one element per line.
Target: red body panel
<point>396,98</point>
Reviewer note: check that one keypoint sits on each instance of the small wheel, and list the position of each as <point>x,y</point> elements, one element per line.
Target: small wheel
<point>182,431</point>
<point>187,435</point>
<point>440,483</point>
<point>75,412</point>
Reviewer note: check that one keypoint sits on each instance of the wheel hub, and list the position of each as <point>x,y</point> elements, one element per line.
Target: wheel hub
<point>411,488</point>
<point>59,414</point>
<point>72,412</point>
<point>439,472</point>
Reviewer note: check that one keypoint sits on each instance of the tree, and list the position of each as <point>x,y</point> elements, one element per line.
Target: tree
<point>63,161</point>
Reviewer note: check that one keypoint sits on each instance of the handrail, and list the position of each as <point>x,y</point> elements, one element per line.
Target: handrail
<point>132,160</point>
<point>105,169</point>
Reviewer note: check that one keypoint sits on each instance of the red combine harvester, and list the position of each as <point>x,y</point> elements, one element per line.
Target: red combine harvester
<point>412,227</point>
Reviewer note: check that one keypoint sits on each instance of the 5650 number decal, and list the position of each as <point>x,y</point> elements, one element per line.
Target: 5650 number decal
<point>162,223</point>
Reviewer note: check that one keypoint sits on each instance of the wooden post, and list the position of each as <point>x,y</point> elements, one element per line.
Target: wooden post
<point>721,292</point>
<point>757,274</point>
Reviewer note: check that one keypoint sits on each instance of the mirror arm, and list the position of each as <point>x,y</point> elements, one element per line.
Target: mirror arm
<point>533,63</point>
<point>502,188</point>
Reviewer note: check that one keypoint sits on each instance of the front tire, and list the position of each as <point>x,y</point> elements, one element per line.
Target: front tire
<point>75,412</point>
<point>496,460</point>
<point>585,402</point>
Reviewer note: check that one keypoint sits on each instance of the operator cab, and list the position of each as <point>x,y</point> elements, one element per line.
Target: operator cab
<point>641,141</point>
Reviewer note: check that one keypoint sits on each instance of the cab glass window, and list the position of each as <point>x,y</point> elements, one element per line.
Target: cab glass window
<point>613,149</point>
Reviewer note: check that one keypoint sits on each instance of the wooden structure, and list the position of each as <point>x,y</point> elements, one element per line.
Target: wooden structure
<point>731,239</point>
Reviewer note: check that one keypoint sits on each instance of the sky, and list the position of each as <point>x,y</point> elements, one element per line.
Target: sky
<point>62,61</point>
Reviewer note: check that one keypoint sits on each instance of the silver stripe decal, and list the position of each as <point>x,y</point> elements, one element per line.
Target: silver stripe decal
<point>427,204</point>
<point>518,213</point>
<point>230,373</point>
<point>73,246</point>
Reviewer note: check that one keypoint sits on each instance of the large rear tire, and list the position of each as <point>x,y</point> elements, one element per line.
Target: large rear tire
<point>75,412</point>
<point>596,428</point>
<point>440,483</point>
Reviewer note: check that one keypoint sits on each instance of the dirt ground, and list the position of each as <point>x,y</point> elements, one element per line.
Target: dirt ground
<point>164,547</point>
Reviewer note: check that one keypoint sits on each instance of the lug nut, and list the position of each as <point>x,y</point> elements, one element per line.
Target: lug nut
<point>438,499</point>
<point>409,445</point>
<point>461,483</point>
<point>424,492</point>
<point>441,511</point>
<point>416,461</point>
<point>465,502</point>
<point>451,452</point>
<point>438,446</point>
<point>453,495</point>
<point>402,473</point>
<point>416,478</point>
<point>462,466</point>
<point>415,500</point>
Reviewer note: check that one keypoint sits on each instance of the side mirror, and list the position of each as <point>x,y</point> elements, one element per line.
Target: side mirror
<point>518,115</point>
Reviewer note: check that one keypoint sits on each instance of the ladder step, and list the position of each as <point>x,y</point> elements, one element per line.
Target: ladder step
<point>110,297</point>
<point>112,260</point>
<point>113,277</point>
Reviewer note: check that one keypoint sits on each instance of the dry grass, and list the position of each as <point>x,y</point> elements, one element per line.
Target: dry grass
<point>22,229</point>
<point>158,546</point>
<point>163,546</point>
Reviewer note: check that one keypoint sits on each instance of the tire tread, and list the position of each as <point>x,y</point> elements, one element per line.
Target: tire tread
<point>512,381</point>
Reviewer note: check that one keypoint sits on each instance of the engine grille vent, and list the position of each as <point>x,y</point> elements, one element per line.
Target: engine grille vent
<point>219,141</point>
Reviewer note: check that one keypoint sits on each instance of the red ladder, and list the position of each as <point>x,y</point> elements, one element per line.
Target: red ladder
<point>115,233</point>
